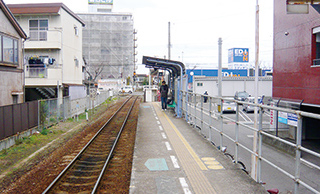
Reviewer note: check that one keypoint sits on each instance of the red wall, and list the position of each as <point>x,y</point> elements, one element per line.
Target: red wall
<point>293,76</point>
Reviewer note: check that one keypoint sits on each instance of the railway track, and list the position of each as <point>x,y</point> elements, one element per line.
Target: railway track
<point>94,169</point>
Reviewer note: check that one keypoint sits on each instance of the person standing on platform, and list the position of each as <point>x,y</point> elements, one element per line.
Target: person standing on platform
<point>164,95</point>
<point>205,98</point>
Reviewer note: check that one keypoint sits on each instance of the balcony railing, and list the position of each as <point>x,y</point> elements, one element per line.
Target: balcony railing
<point>36,72</point>
<point>42,75</point>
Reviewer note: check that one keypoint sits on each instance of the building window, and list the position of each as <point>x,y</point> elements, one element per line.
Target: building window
<point>76,62</point>
<point>14,99</point>
<point>0,48</point>
<point>199,84</point>
<point>76,31</point>
<point>38,30</point>
<point>15,52</point>
<point>316,46</point>
<point>9,50</point>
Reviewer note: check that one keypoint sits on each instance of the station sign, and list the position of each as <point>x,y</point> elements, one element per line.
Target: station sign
<point>238,55</point>
<point>108,2</point>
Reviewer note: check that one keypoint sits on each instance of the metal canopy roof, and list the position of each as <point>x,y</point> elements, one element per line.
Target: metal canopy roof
<point>175,66</point>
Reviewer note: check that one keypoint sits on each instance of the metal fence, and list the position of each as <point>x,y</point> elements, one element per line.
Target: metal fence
<point>211,119</point>
<point>53,110</point>
<point>17,118</point>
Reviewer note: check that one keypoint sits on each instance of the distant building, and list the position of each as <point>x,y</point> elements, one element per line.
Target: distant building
<point>53,51</point>
<point>11,58</point>
<point>108,41</point>
<point>102,6</point>
<point>141,78</point>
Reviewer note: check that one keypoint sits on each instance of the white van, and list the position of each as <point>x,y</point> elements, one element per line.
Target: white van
<point>126,89</point>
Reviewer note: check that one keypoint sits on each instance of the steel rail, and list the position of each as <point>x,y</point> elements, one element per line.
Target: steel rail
<point>83,149</point>
<point>112,149</point>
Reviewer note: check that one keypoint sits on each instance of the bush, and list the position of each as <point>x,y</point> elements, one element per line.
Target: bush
<point>44,132</point>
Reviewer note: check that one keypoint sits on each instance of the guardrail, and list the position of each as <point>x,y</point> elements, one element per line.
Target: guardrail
<point>195,111</point>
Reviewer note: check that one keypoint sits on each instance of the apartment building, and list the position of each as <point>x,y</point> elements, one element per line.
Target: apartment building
<point>11,60</point>
<point>53,50</point>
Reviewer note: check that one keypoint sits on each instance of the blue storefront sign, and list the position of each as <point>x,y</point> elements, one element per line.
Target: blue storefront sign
<point>239,55</point>
<point>214,73</point>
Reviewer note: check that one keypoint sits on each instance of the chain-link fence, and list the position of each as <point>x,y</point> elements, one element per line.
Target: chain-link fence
<point>52,111</point>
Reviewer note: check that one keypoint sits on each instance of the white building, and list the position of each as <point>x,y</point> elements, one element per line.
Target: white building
<point>53,51</point>
<point>232,84</point>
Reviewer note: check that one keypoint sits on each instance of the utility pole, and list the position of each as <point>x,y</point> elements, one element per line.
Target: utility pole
<point>134,56</point>
<point>220,68</point>
<point>254,159</point>
<point>169,42</point>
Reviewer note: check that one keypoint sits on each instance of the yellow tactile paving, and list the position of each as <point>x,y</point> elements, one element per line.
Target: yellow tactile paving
<point>208,159</point>
<point>215,167</point>
<point>191,163</point>
<point>212,163</point>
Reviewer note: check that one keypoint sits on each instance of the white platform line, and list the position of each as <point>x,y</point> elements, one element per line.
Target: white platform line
<point>164,135</point>
<point>168,146</point>
<point>160,127</point>
<point>174,161</point>
<point>184,185</point>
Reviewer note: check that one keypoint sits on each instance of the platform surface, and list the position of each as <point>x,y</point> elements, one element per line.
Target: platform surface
<point>170,156</point>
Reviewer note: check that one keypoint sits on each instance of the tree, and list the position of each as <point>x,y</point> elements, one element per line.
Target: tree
<point>95,72</point>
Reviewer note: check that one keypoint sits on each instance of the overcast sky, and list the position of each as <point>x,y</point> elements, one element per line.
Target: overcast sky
<point>195,27</point>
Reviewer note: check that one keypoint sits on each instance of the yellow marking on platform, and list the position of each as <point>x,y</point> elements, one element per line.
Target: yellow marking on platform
<point>215,167</point>
<point>189,148</point>
<point>207,159</point>
<point>190,162</point>
<point>211,162</point>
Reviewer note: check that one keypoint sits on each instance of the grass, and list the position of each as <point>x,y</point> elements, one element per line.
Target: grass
<point>26,146</point>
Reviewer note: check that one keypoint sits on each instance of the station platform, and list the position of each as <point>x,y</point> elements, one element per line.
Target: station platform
<point>170,156</point>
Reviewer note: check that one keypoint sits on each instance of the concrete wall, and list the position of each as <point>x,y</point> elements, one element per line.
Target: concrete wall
<point>231,85</point>
<point>76,92</point>
<point>11,78</point>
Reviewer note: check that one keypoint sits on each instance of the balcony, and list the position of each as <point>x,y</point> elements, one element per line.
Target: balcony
<point>44,40</point>
<point>42,75</point>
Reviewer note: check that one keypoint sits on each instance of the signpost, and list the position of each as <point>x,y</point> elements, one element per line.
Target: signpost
<point>93,95</point>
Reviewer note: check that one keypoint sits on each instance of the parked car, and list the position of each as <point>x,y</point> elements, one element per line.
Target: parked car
<point>229,107</point>
<point>126,89</point>
<point>249,108</point>
<point>241,96</point>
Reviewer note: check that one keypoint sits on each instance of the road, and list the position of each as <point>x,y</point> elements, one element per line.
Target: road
<point>272,177</point>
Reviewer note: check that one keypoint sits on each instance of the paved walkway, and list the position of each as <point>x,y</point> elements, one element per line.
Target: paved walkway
<point>172,157</point>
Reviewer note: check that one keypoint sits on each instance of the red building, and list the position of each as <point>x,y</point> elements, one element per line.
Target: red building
<point>296,63</point>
